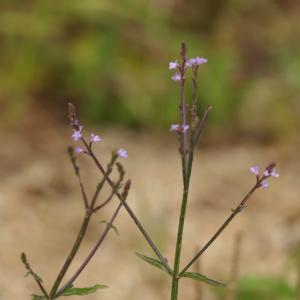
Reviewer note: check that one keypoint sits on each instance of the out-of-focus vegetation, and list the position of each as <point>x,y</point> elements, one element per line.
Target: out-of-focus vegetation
<point>258,288</point>
<point>111,58</point>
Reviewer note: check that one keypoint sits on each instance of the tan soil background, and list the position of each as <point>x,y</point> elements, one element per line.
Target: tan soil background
<point>41,211</point>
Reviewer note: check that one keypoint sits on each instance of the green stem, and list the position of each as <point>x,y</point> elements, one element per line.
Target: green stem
<point>71,255</point>
<point>175,277</point>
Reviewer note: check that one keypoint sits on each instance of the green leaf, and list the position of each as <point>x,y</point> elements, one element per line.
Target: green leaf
<point>82,291</point>
<point>200,277</point>
<point>152,261</point>
<point>37,297</point>
<point>112,226</point>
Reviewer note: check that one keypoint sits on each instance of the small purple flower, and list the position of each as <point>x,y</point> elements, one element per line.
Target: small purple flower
<point>189,63</point>
<point>174,127</point>
<point>195,61</point>
<point>264,184</point>
<point>185,128</point>
<point>255,170</point>
<point>122,153</point>
<point>179,128</point>
<point>269,171</point>
<point>78,150</point>
<point>95,138</point>
<point>176,77</point>
<point>272,173</point>
<point>200,60</point>
<point>77,135</point>
<point>173,65</point>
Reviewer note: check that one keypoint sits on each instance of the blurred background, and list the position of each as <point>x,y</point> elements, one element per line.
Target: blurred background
<point>110,58</point>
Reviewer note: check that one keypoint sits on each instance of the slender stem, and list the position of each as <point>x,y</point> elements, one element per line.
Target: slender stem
<point>237,210</point>
<point>183,112</point>
<point>200,126</point>
<point>117,186</point>
<point>92,252</point>
<point>130,212</point>
<point>77,172</point>
<point>36,278</point>
<point>101,183</point>
<point>83,228</point>
<point>175,277</point>
<point>72,254</point>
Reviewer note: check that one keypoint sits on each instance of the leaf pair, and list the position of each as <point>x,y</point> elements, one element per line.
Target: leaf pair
<point>193,275</point>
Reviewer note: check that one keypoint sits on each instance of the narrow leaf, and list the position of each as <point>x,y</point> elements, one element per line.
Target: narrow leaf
<point>37,297</point>
<point>83,291</point>
<point>112,226</point>
<point>200,277</point>
<point>152,261</point>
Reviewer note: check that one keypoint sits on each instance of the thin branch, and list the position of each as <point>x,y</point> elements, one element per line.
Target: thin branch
<point>77,173</point>
<point>82,231</point>
<point>129,210</point>
<point>72,253</point>
<point>201,124</point>
<point>109,225</point>
<point>100,185</point>
<point>36,278</point>
<point>116,188</point>
<point>235,211</point>
<point>183,113</point>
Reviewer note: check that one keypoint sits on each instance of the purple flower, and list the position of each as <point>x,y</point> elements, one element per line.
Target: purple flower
<point>272,173</point>
<point>264,184</point>
<point>196,61</point>
<point>269,171</point>
<point>78,150</point>
<point>122,153</point>
<point>95,138</point>
<point>255,170</point>
<point>176,77</point>
<point>179,128</point>
<point>185,128</point>
<point>173,65</point>
<point>77,135</point>
<point>200,60</point>
<point>174,127</point>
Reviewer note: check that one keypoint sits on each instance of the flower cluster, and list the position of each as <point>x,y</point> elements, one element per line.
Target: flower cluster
<point>78,136</point>
<point>189,63</point>
<point>270,171</point>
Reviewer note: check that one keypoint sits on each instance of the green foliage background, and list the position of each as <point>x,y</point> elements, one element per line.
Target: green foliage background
<point>111,58</point>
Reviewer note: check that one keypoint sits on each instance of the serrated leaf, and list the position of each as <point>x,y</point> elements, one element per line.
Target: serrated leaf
<point>152,261</point>
<point>200,277</point>
<point>82,291</point>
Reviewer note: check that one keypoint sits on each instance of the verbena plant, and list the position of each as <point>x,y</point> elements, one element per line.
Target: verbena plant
<point>188,131</point>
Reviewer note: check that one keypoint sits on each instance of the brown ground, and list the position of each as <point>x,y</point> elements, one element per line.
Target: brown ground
<point>41,210</point>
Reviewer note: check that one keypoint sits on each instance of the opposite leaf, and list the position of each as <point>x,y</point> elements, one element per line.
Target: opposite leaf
<point>200,277</point>
<point>83,291</point>
<point>152,261</point>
